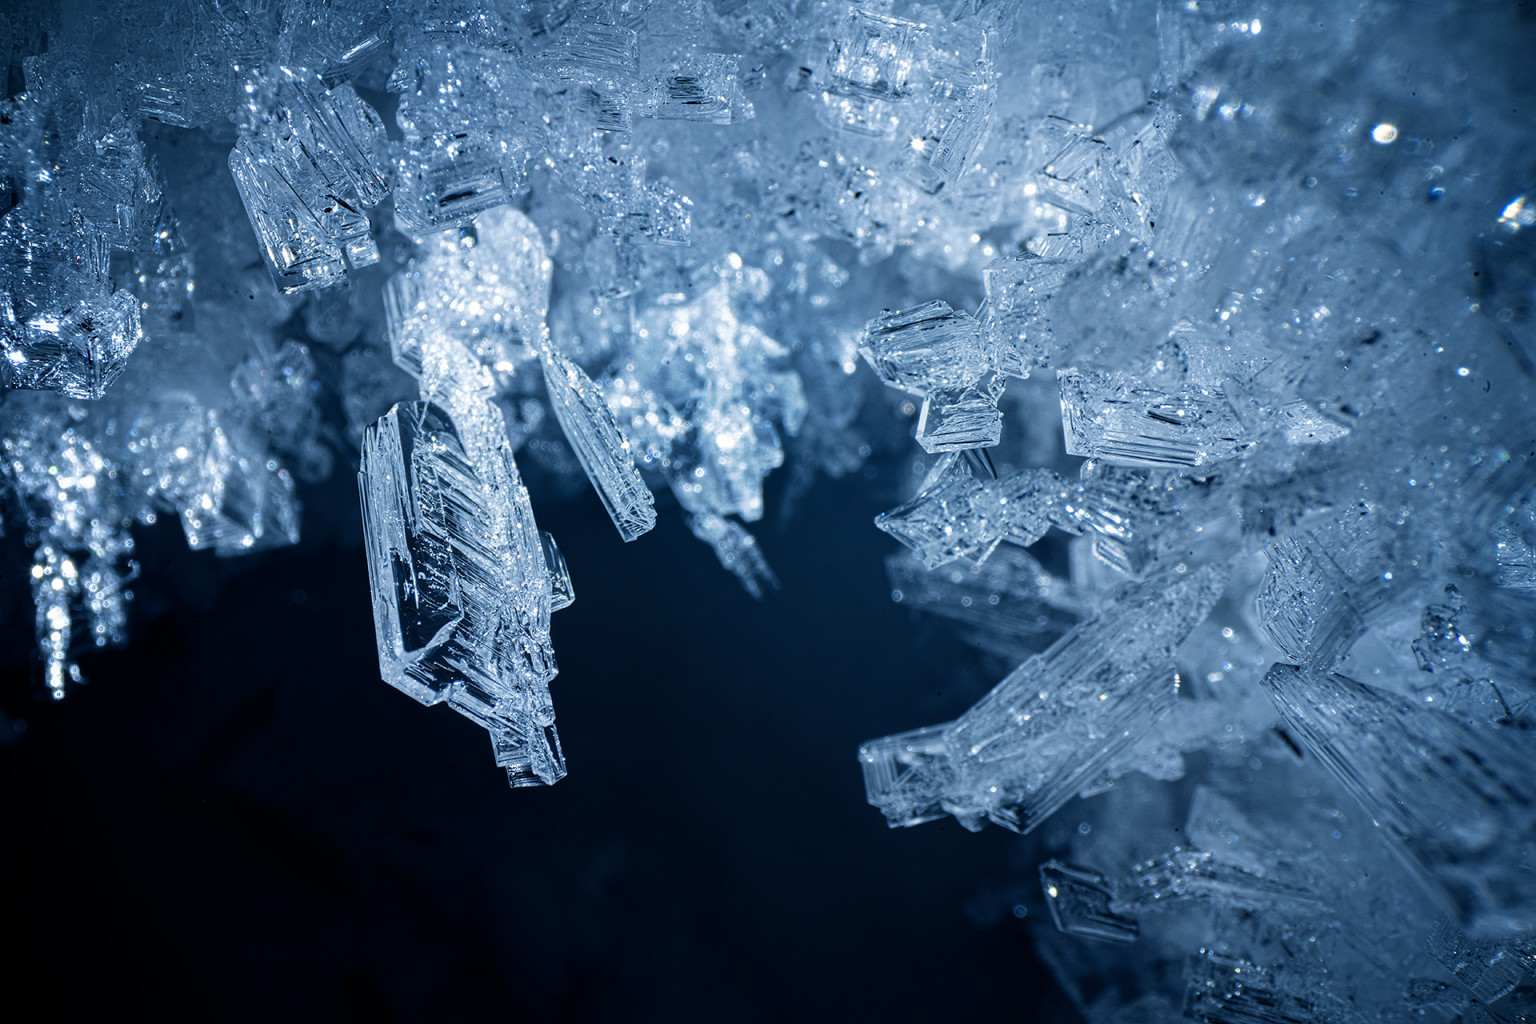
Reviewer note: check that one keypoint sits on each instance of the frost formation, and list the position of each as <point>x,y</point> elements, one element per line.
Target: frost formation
<point>1222,310</point>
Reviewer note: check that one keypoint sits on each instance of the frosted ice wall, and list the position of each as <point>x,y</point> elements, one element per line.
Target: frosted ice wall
<point>1223,311</point>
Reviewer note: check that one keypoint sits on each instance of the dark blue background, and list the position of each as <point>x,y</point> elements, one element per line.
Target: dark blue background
<point>237,820</point>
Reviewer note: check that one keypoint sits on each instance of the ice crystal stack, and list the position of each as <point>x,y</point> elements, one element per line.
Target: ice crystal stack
<point>1212,324</point>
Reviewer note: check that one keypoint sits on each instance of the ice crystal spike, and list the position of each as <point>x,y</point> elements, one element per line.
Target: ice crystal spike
<point>737,550</point>
<point>603,450</point>
<point>306,168</point>
<point>1192,874</point>
<point>1449,791</point>
<point>1122,420</point>
<point>1045,730</point>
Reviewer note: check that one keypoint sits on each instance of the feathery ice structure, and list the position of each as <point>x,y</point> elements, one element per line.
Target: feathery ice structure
<point>1212,321</point>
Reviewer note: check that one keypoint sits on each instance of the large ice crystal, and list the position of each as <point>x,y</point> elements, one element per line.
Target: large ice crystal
<point>1254,516</point>
<point>1048,728</point>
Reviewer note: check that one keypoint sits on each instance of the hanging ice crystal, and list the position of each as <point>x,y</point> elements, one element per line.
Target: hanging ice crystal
<point>461,590</point>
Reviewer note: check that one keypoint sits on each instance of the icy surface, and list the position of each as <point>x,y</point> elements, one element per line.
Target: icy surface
<point>1189,346</point>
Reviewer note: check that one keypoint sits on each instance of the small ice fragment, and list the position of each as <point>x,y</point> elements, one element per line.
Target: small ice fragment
<point>962,418</point>
<point>600,446</point>
<point>562,594</point>
<point>1079,900</point>
<point>1009,604</point>
<point>929,348</point>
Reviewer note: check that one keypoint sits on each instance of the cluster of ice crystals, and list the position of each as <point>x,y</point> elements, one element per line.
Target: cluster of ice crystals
<point>1249,534</point>
<point>1232,290</point>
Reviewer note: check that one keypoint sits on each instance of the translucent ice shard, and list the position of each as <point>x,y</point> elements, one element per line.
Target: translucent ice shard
<point>562,593</point>
<point>1489,970</point>
<point>1229,990</point>
<point>737,550</point>
<point>1193,874</point>
<point>76,351</point>
<point>307,167</point>
<point>79,195</point>
<point>457,159</point>
<point>701,88</point>
<point>945,356</point>
<point>1009,604</point>
<point>603,450</point>
<point>233,498</point>
<point>1120,419</point>
<point>931,347</point>
<point>486,286</point>
<point>954,515</point>
<point>873,54</point>
<point>1030,745</point>
<point>1305,605</point>
<point>958,515</point>
<point>962,418</point>
<point>461,587</point>
<point>1451,792</point>
<point>1019,291</point>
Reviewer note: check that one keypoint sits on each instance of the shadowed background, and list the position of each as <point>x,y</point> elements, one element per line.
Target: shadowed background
<point>237,819</point>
